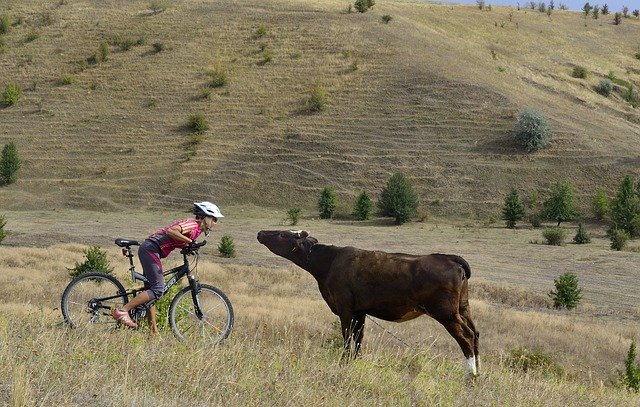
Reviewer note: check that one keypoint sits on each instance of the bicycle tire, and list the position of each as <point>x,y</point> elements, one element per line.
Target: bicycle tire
<point>80,307</point>
<point>216,323</point>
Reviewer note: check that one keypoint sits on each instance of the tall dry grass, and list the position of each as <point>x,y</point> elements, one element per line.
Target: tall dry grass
<point>285,350</point>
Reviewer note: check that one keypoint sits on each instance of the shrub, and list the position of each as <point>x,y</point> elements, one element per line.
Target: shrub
<point>398,199</point>
<point>158,47</point>
<point>513,209</point>
<point>67,79</point>
<point>567,293</point>
<point>618,238</point>
<point>604,87</point>
<point>12,93</point>
<point>267,56</point>
<point>625,208</point>
<point>261,31</point>
<point>363,206</point>
<point>5,24</point>
<point>364,5</point>
<point>532,130</point>
<point>104,51</point>
<point>95,260</point>
<point>605,9</point>
<point>617,19</point>
<point>226,247</point>
<point>293,215</point>
<point>555,236</point>
<point>198,123</point>
<point>9,163</point>
<point>579,72</point>
<point>581,236</point>
<point>3,223</point>
<point>631,96</point>
<point>386,18</point>
<point>600,204</point>
<point>162,308</point>
<point>219,75</point>
<point>327,203</point>
<point>532,360</point>
<point>631,375</point>
<point>560,206</point>
<point>317,99</point>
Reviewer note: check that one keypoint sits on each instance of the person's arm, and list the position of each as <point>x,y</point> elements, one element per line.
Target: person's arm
<point>175,233</point>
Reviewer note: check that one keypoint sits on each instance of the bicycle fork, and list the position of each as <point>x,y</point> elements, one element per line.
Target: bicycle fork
<point>195,288</point>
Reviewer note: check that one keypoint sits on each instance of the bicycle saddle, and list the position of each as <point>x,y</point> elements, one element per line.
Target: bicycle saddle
<point>126,242</point>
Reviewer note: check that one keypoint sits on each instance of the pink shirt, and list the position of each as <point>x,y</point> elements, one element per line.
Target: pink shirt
<point>188,227</point>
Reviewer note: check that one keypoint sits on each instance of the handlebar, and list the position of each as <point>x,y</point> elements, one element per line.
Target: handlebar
<point>193,247</point>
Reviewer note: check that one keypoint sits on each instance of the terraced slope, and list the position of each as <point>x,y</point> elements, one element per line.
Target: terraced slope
<point>434,94</point>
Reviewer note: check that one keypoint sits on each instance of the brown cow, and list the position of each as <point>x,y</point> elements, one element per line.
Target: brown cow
<point>390,286</point>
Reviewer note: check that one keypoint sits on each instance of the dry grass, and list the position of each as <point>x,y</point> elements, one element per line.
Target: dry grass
<point>435,95</point>
<point>284,351</point>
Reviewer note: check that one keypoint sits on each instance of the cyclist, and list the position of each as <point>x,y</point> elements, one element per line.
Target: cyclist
<point>157,246</point>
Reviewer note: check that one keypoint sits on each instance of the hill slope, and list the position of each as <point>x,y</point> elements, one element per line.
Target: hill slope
<point>434,93</point>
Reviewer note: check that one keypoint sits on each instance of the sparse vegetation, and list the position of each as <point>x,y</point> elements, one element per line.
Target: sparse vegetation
<point>197,122</point>
<point>579,72</point>
<point>398,200</point>
<point>95,260</point>
<point>158,47</point>
<point>513,209</point>
<point>9,164</point>
<point>226,247</point>
<point>532,130</point>
<point>67,79</point>
<point>317,99</point>
<point>386,18</point>
<point>567,294</point>
<point>158,6</point>
<point>363,206</point>
<point>528,360</point>
<point>5,24</point>
<point>12,94</point>
<point>327,203</point>
<point>554,236</point>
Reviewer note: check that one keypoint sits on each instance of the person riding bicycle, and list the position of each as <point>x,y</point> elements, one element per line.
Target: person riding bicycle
<point>157,246</point>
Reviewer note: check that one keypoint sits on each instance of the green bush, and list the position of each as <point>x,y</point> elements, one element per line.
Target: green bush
<point>67,79</point>
<point>267,56</point>
<point>619,239</point>
<point>560,206</point>
<point>555,236</point>
<point>625,208</point>
<point>513,209</point>
<point>630,378</point>
<point>363,206</point>
<point>12,93</point>
<point>293,215</point>
<point>364,5</point>
<point>95,260</point>
<point>226,247</point>
<point>604,87</point>
<point>162,308</point>
<point>567,293</point>
<point>398,199</point>
<point>261,32</point>
<point>5,24</point>
<point>327,203</point>
<point>198,123</point>
<point>317,99</point>
<point>104,50</point>
<point>581,236</point>
<point>631,96</point>
<point>600,204</point>
<point>532,130</point>
<point>9,163</point>
<point>579,72</point>
<point>3,223</point>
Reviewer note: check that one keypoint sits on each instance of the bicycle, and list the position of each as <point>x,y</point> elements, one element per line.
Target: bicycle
<point>89,299</point>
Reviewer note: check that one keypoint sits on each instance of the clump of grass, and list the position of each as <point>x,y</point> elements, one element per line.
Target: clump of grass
<point>219,75</point>
<point>198,123</point>
<point>158,47</point>
<point>317,99</point>
<point>32,36</point>
<point>104,50</point>
<point>5,24</point>
<point>67,79</point>
<point>261,31</point>
<point>12,93</point>
<point>205,93</point>
<point>529,360</point>
<point>267,56</point>
<point>579,72</point>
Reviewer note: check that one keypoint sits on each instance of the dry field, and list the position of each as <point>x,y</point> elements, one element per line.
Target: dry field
<point>434,94</point>
<point>283,350</point>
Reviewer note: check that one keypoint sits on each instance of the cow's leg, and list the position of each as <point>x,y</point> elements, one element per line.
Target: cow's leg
<point>358,332</point>
<point>465,337</point>
<point>352,330</point>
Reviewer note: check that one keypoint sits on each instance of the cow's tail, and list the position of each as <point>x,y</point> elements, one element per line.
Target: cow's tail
<point>463,263</point>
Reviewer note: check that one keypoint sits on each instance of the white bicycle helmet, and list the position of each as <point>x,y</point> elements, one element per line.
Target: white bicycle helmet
<point>205,208</point>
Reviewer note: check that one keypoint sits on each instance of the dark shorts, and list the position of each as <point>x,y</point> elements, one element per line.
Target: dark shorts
<point>149,255</point>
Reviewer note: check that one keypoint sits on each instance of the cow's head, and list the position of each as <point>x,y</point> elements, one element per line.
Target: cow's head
<point>287,243</point>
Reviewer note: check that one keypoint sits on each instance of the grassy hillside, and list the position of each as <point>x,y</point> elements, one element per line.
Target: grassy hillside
<point>434,93</point>
<point>284,348</point>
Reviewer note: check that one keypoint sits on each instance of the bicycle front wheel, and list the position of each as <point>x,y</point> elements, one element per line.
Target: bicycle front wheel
<point>88,300</point>
<point>213,323</point>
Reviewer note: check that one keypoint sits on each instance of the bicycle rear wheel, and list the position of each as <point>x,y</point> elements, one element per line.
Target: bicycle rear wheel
<point>215,323</point>
<point>88,300</point>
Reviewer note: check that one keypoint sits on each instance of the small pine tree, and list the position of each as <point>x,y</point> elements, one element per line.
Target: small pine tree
<point>3,223</point>
<point>226,247</point>
<point>532,130</point>
<point>513,209</point>
<point>560,207</point>
<point>581,236</point>
<point>9,164</point>
<point>95,260</point>
<point>625,208</point>
<point>600,204</point>
<point>293,215</point>
<point>362,210</point>
<point>567,293</point>
<point>631,375</point>
<point>327,203</point>
<point>397,199</point>
<point>618,239</point>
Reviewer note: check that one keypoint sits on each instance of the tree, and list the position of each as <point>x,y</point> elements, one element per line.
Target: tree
<point>397,199</point>
<point>362,209</point>
<point>226,247</point>
<point>560,206</point>
<point>567,293</point>
<point>625,208</point>
<point>600,204</point>
<point>513,209</point>
<point>327,203</point>
<point>95,260</point>
<point>9,163</point>
<point>532,130</point>
<point>586,8</point>
<point>581,236</point>
<point>631,374</point>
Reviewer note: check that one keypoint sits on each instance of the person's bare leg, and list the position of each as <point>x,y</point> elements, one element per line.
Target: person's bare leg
<point>151,317</point>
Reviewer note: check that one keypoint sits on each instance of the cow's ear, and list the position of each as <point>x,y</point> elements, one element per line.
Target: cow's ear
<point>303,234</point>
